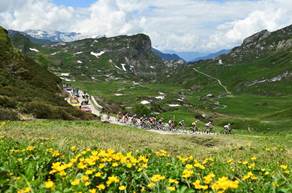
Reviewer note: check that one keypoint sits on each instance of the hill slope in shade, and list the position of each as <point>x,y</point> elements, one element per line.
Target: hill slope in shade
<point>27,88</point>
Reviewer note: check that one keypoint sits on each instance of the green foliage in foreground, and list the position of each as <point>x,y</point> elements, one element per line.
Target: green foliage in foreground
<point>41,167</point>
<point>78,156</point>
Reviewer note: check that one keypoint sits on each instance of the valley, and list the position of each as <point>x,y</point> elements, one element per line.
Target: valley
<point>123,72</point>
<point>61,102</point>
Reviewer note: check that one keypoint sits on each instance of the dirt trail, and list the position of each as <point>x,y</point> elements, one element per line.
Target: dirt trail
<point>219,81</point>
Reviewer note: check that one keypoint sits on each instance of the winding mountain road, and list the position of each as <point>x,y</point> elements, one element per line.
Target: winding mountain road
<point>96,109</point>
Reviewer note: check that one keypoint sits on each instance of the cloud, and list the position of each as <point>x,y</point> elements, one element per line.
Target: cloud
<point>231,33</point>
<point>184,25</point>
<point>35,14</point>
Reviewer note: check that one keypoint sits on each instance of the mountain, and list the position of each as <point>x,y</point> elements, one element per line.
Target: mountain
<point>166,56</point>
<point>212,55</point>
<point>54,36</point>
<point>28,89</point>
<point>261,65</point>
<point>22,36</point>
<point>261,44</point>
<point>130,57</point>
<point>188,56</point>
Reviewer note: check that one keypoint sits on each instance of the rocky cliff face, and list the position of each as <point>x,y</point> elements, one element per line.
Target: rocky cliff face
<point>261,44</point>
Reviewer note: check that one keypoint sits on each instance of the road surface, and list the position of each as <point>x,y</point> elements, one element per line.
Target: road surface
<point>96,109</point>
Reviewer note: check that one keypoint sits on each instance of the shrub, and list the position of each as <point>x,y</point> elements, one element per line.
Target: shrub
<point>141,110</point>
<point>7,102</point>
<point>8,114</point>
<point>43,110</point>
<point>39,110</point>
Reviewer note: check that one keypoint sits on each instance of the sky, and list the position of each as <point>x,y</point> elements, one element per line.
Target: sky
<point>173,25</point>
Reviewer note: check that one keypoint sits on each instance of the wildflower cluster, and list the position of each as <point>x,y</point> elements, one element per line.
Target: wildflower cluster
<point>45,169</point>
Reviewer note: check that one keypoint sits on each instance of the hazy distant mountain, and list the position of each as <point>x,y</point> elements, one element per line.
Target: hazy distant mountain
<point>188,56</point>
<point>196,56</point>
<point>212,55</point>
<point>55,36</point>
<point>166,56</point>
<point>21,36</point>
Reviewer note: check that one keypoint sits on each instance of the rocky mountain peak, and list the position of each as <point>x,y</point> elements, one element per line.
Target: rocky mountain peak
<point>141,42</point>
<point>255,38</point>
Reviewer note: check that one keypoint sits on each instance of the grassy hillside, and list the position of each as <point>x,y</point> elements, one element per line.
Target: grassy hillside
<point>258,73</point>
<point>93,157</point>
<point>27,88</point>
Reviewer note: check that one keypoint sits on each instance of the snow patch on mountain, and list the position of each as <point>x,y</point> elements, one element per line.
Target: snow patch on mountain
<point>98,54</point>
<point>173,105</point>
<point>55,36</point>
<point>160,97</point>
<point>273,79</point>
<point>117,67</point>
<point>34,50</point>
<point>77,53</point>
<point>145,102</point>
<point>124,68</point>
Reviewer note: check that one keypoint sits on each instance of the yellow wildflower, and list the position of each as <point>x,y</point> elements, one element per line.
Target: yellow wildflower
<point>198,165</point>
<point>224,184</point>
<point>171,188</point>
<point>89,172</point>
<point>73,148</point>
<point>112,179</point>
<point>162,153</point>
<point>81,165</point>
<point>101,187</point>
<point>189,166</point>
<point>92,190</point>
<point>173,181</point>
<point>102,165</point>
<point>75,182</point>
<point>198,186</point>
<point>251,166</point>
<point>284,167</point>
<point>187,173</point>
<point>49,184</point>
<point>55,153</point>
<point>29,148</point>
<point>85,178</point>
<point>208,179</point>
<point>230,161</point>
<point>151,185</point>
<point>24,190</point>
<point>249,175</point>
<point>157,178</point>
<point>122,187</point>
<point>98,174</point>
